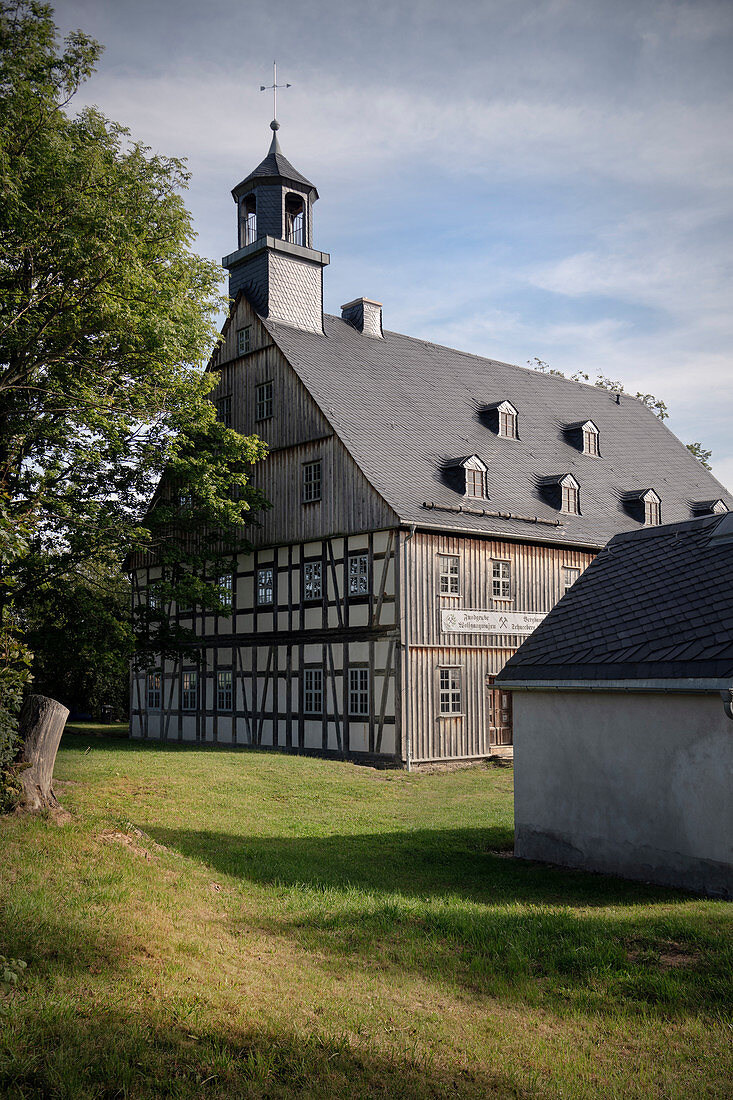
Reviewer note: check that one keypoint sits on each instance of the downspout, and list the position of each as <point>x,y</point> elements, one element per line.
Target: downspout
<point>406,639</point>
<point>727,697</point>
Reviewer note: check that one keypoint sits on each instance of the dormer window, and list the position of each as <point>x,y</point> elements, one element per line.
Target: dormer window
<point>294,219</point>
<point>652,511</point>
<point>645,506</point>
<point>475,475</point>
<point>709,507</point>
<point>562,492</point>
<point>590,439</point>
<point>507,420</point>
<point>570,496</point>
<point>247,220</point>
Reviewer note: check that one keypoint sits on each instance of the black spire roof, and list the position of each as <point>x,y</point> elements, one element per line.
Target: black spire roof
<point>274,166</point>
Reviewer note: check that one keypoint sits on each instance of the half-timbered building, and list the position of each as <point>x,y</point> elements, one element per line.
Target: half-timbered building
<point>429,508</point>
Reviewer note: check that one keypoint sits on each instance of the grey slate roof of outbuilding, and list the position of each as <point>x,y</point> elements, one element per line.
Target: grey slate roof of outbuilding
<point>406,409</point>
<point>655,604</point>
<point>275,166</point>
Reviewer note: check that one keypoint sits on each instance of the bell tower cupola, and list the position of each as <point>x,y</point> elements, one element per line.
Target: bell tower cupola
<point>275,264</point>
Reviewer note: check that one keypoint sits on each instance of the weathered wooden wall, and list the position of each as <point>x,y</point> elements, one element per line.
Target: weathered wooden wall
<point>537,583</point>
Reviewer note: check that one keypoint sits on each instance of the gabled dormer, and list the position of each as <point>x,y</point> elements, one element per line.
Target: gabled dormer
<point>561,491</point>
<point>467,476</point>
<point>708,507</point>
<point>643,505</point>
<point>502,419</point>
<point>584,436</point>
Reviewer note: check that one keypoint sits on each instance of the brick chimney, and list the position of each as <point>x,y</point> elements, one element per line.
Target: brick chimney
<point>365,315</point>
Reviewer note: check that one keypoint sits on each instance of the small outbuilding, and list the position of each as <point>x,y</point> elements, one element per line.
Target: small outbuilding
<point>623,713</point>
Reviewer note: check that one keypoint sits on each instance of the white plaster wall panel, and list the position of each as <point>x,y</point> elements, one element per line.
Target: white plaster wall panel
<point>633,784</point>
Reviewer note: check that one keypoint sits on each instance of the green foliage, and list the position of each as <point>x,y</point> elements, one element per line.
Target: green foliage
<point>11,970</point>
<point>106,316</point>
<point>701,453</point>
<point>80,633</point>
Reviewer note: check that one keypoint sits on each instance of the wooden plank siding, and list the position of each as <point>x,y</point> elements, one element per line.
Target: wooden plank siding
<point>537,583</point>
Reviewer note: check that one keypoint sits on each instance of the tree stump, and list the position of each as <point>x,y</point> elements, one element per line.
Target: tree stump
<point>41,723</point>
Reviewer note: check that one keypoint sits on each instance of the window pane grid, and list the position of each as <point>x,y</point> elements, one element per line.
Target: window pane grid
<point>358,574</point>
<point>153,690</point>
<point>450,691</point>
<point>224,690</point>
<point>313,580</point>
<point>226,589</point>
<point>358,692</point>
<point>263,401</point>
<point>570,499</point>
<point>501,580</point>
<point>244,340</point>
<point>571,576</point>
<point>449,576</point>
<point>189,691</point>
<point>590,443</point>
<point>313,691</point>
<point>508,425</point>
<point>265,587</point>
<point>474,483</point>
<point>311,481</point>
<point>224,410</point>
<point>652,513</point>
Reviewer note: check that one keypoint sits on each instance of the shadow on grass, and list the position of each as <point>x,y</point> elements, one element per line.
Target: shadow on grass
<point>441,905</point>
<point>99,1052</point>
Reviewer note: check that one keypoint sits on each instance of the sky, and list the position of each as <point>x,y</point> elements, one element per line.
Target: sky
<point>514,178</point>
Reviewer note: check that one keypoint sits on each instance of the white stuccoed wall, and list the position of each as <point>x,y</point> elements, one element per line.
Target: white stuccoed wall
<point>639,785</point>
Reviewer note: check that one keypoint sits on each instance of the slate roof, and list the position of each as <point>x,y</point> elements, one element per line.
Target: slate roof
<point>655,604</point>
<point>275,166</point>
<point>407,408</point>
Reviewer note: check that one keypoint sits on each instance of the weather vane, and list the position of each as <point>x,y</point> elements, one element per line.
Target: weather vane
<point>274,86</point>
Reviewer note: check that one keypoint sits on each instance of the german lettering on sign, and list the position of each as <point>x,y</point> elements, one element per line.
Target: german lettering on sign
<point>470,621</point>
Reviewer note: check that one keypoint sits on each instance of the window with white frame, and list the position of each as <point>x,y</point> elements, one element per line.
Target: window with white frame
<point>154,601</point>
<point>450,690</point>
<point>313,691</point>
<point>507,420</point>
<point>501,580</point>
<point>311,481</point>
<point>224,689</point>
<point>225,584</point>
<point>359,692</point>
<point>570,576</point>
<point>652,512</point>
<point>313,580</point>
<point>590,439</point>
<point>358,574</point>
<point>570,498</point>
<point>244,340</point>
<point>475,483</point>
<point>153,690</point>
<point>263,401</point>
<point>450,582</point>
<point>189,690</point>
<point>265,585</point>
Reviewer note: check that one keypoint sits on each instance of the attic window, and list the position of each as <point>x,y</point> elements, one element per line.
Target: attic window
<point>570,497</point>
<point>475,477</point>
<point>590,439</point>
<point>652,511</point>
<point>719,507</point>
<point>507,420</point>
<point>709,507</point>
<point>475,483</point>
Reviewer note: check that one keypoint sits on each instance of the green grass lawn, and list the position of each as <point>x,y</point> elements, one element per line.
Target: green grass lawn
<point>217,923</point>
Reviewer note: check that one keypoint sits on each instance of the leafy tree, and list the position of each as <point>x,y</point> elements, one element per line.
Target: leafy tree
<point>700,453</point>
<point>80,634</point>
<point>106,317</point>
